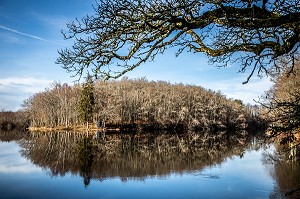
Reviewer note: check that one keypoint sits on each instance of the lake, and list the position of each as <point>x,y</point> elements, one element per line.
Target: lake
<point>143,165</point>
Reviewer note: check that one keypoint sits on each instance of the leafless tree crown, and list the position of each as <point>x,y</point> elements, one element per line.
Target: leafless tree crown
<point>123,34</point>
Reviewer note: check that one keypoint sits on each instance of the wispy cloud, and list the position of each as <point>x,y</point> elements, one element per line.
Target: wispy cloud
<point>22,168</point>
<point>14,90</point>
<point>26,84</point>
<point>15,163</point>
<point>27,35</point>
<point>55,22</point>
<point>233,88</point>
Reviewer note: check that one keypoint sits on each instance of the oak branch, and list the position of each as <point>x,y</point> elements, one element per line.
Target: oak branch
<point>123,34</point>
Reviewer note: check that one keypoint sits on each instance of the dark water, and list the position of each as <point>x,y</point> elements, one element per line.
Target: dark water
<point>190,165</point>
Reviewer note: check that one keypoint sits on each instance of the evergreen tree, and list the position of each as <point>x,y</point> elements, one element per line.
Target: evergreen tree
<point>87,101</point>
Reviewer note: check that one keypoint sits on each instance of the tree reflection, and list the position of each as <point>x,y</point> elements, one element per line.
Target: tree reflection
<point>131,155</point>
<point>12,135</point>
<point>286,173</point>
<point>138,156</point>
<point>85,156</point>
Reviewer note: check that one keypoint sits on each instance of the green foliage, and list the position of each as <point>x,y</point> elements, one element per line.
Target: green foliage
<point>87,101</point>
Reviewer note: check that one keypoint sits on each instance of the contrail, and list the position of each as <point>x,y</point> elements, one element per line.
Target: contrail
<point>28,35</point>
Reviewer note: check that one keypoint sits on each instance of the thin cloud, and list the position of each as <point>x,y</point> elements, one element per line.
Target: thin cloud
<point>28,35</point>
<point>233,88</point>
<point>13,86</point>
<point>22,80</point>
<point>13,90</point>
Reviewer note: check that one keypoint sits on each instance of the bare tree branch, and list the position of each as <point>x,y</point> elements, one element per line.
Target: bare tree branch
<point>123,34</point>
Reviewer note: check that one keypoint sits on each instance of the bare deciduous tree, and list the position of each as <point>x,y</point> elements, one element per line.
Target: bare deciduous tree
<point>148,105</point>
<point>283,105</point>
<point>123,34</point>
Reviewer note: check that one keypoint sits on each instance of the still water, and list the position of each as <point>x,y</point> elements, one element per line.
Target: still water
<point>191,165</point>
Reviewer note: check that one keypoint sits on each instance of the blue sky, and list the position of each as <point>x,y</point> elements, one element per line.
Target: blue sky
<point>30,37</point>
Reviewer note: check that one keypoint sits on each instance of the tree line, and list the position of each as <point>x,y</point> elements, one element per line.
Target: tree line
<point>10,120</point>
<point>140,103</point>
<point>266,32</point>
<point>282,108</point>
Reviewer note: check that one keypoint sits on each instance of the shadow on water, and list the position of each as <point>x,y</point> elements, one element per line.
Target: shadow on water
<point>138,156</point>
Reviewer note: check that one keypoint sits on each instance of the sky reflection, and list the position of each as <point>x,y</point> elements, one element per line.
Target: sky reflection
<point>11,160</point>
<point>237,177</point>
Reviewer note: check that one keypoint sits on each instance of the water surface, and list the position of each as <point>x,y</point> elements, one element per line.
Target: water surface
<point>73,165</point>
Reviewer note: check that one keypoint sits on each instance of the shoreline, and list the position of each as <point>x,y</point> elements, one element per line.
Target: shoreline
<point>77,128</point>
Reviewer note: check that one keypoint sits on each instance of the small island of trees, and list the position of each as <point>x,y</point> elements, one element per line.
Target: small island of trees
<point>138,104</point>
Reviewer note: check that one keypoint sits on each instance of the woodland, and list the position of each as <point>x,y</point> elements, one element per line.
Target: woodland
<point>135,128</point>
<point>142,105</point>
<point>262,36</point>
<point>139,104</point>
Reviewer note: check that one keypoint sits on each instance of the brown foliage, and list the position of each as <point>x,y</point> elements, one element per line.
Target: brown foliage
<point>54,107</point>
<point>10,120</point>
<point>142,104</point>
<point>283,105</point>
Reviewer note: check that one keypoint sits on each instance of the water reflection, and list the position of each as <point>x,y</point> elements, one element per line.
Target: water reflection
<point>13,135</point>
<point>285,172</point>
<point>227,162</point>
<point>130,156</point>
<point>86,154</point>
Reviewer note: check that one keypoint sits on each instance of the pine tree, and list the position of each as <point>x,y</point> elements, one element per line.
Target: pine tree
<point>87,101</point>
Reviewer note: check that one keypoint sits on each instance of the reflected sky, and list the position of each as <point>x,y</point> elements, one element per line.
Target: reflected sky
<point>236,177</point>
<point>11,160</point>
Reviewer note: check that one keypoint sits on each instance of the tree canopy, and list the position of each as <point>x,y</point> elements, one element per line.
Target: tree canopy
<point>123,34</point>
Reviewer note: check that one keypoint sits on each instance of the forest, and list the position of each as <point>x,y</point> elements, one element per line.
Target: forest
<point>266,32</point>
<point>139,104</point>
<point>10,120</point>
